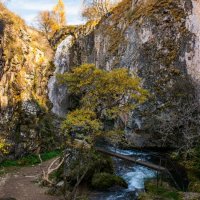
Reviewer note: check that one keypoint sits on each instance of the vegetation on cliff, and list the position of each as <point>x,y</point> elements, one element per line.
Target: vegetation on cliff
<point>24,71</point>
<point>106,99</point>
<point>101,98</point>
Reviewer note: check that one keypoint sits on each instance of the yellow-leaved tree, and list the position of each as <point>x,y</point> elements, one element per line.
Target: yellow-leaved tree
<point>59,16</point>
<point>104,95</point>
<point>50,21</point>
<point>45,23</point>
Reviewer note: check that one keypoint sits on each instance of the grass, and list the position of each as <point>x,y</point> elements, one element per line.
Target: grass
<point>29,160</point>
<point>164,192</point>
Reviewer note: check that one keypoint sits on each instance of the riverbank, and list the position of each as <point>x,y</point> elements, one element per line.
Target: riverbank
<point>165,192</point>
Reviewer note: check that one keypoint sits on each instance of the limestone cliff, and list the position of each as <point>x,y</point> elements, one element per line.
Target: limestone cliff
<point>24,70</point>
<point>158,40</point>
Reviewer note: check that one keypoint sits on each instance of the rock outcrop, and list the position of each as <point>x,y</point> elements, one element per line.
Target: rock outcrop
<point>24,71</point>
<point>158,40</point>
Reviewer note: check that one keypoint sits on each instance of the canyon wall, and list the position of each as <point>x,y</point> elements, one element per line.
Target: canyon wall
<point>158,40</point>
<point>24,72</point>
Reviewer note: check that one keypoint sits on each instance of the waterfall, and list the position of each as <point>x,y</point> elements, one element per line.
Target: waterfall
<point>58,93</point>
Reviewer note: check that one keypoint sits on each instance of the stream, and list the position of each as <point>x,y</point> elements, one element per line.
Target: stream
<point>134,175</point>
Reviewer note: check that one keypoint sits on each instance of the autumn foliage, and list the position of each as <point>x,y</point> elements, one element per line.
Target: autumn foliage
<point>51,21</point>
<point>3,146</point>
<point>103,95</point>
<point>95,9</point>
<point>59,16</point>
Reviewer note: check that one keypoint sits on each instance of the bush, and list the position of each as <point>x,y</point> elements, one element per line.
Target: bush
<point>164,192</point>
<point>100,163</point>
<point>103,181</point>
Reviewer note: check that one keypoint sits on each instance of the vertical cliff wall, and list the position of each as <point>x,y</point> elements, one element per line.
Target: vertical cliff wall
<point>158,40</point>
<point>24,70</point>
<point>193,57</point>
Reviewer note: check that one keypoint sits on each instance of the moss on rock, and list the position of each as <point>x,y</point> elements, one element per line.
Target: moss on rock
<point>104,181</point>
<point>164,192</point>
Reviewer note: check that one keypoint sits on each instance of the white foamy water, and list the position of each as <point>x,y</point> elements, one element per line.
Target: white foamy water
<point>134,175</point>
<point>127,152</point>
<point>58,93</point>
<point>137,177</point>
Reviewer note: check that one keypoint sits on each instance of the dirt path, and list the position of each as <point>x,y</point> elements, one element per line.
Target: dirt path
<point>22,184</point>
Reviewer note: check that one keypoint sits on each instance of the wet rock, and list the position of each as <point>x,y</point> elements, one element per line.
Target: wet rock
<point>60,184</point>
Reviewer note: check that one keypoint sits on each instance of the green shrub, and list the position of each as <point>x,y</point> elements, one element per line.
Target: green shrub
<point>100,163</point>
<point>194,186</point>
<point>164,192</point>
<point>103,181</point>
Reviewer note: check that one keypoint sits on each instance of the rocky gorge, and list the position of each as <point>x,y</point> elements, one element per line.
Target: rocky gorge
<point>157,40</point>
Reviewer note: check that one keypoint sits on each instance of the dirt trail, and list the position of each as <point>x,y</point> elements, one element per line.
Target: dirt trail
<point>21,184</point>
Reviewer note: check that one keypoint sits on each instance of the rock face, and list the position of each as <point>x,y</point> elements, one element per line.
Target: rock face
<point>157,39</point>
<point>24,72</point>
<point>193,57</point>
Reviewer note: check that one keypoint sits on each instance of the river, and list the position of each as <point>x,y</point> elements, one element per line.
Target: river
<point>134,175</point>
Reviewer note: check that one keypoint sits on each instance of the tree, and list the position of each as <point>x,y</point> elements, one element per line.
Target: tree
<point>104,95</point>
<point>51,21</point>
<point>45,23</point>
<point>179,122</point>
<point>181,127</point>
<point>59,15</point>
<point>95,9</point>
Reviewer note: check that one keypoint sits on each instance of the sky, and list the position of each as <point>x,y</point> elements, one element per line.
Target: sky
<point>28,9</point>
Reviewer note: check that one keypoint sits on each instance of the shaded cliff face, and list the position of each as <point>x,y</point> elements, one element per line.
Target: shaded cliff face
<point>24,72</point>
<point>158,40</point>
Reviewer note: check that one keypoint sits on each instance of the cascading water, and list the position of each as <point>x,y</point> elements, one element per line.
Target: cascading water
<point>58,93</point>
<point>134,175</point>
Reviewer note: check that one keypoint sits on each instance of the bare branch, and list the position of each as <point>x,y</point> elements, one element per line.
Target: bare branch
<point>54,165</point>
